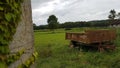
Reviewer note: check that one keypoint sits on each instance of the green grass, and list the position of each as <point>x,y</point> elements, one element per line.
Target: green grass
<point>54,52</point>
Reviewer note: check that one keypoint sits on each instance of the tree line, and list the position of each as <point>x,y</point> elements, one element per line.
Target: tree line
<point>54,24</point>
<point>98,23</point>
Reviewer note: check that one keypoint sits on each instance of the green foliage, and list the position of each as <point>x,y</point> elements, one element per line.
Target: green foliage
<point>1,8</point>
<point>9,17</point>
<point>10,11</point>
<point>112,14</point>
<point>78,24</point>
<point>12,58</point>
<point>118,15</point>
<point>35,54</point>
<point>4,49</point>
<point>2,65</point>
<point>52,22</point>
<point>29,61</point>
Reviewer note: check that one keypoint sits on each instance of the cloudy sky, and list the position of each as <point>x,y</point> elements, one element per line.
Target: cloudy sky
<point>72,10</point>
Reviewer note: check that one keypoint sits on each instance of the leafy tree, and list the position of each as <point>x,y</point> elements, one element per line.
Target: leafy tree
<point>112,14</point>
<point>118,15</point>
<point>34,26</point>
<point>52,22</point>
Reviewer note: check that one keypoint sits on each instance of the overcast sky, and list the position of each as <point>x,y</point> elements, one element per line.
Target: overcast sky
<point>72,10</point>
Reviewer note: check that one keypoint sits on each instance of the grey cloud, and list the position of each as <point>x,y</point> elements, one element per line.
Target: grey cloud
<point>37,3</point>
<point>74,10</point>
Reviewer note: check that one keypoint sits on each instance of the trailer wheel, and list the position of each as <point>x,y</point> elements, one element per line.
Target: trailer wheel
<point>71,45</point>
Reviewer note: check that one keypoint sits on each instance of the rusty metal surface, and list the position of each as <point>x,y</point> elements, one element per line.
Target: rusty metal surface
<point>92,36</point>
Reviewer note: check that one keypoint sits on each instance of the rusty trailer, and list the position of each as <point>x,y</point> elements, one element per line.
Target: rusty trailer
<point>101,39</point>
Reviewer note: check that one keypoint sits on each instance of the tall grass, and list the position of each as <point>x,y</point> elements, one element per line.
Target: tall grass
<point>54,52</point>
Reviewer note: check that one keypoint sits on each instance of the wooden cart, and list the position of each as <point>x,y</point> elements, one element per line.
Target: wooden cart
<point>101,39</point>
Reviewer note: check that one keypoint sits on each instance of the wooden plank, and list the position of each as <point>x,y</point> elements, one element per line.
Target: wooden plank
<point>92,36</point>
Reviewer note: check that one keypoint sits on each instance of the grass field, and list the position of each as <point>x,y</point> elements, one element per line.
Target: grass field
<point>54,52</point>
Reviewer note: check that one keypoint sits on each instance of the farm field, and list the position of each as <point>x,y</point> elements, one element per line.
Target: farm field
<point>54,52</point>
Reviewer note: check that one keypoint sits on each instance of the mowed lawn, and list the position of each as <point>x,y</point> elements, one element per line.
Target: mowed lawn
<point>53,52</point>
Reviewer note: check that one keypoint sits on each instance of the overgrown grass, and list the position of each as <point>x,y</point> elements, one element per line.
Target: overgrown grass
<point>54,52</point>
